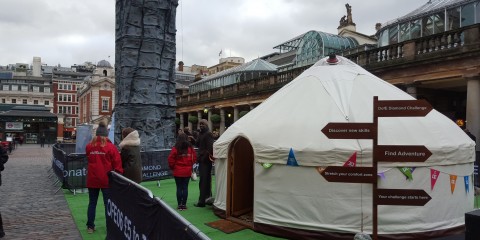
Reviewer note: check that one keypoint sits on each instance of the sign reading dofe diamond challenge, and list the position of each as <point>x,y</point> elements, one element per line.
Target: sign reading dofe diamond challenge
<point>403,108</point>
<point>410,197</point>
<point>399,153</point>
<point>349,174</point>
<point>349,130</point>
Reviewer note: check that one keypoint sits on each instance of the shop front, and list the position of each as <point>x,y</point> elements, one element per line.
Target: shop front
<point>28,124</point>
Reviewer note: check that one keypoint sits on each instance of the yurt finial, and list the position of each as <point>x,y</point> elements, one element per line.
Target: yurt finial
<point>332,59</point>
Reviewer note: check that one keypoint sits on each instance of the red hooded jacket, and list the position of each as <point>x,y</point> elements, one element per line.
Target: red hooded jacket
<point>182,164</point>
<point>102,160</point>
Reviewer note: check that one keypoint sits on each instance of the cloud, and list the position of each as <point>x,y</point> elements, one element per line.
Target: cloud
<point>70,32</point>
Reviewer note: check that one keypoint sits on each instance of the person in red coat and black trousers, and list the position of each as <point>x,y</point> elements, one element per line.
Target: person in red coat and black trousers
<point>181,160</point>
<point>103,157</point>
<point>3,160</point>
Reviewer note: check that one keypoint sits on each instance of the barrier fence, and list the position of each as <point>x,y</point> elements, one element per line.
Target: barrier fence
<point>71,168</point>
<point>134,213</point>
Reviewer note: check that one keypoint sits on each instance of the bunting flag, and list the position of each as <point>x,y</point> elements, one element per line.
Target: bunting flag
<point>453,182</point>
<point>291,159</point>
<point>381,175</point>
<point>411,170</point>
<point>267,165</point>
<point>467,183</point>
<point>352,161</point>
<point>434,174</point>
<point>407,172</point>
<point>320,169</point>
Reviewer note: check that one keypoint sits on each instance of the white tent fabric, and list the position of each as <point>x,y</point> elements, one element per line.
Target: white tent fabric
<point>299,197</point>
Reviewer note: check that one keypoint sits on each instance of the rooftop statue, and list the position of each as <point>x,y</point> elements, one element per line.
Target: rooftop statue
<point>347,20</point>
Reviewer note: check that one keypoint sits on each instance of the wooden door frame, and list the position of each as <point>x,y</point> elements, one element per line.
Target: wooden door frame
<point>231,156</point>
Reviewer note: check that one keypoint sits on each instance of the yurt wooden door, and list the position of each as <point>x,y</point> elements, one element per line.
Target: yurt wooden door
<point>240,177</point>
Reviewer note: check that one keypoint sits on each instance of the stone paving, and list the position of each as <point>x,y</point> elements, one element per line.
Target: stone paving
<point>29,205</point>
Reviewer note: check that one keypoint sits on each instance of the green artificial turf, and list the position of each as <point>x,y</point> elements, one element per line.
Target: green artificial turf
<point>167,192</point>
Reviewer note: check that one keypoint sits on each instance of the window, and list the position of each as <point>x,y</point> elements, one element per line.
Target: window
<point>104,104</point>
<point>24,88</point>
<point>35,102</point>
<point>5,87</point>
<point>14,100</point>
<point>46,89</point>
<point>36,89</point>
<point>3,100</point>
<point>60,109</point>
<point>468,15</point>
<point>47,103</point>
<point>453,16</point>
<point>14,87</point>
<point>24,101</point>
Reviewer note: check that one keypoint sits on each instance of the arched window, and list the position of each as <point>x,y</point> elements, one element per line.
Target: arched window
<point>105,73</point>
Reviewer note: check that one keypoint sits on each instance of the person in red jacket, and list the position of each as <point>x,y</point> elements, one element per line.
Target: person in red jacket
<point>181,160</point>
<point>103,157</point>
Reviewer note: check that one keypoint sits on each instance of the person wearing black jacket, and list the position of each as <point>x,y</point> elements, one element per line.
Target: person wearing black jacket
<point>205,160</point>
<point>3,160</point>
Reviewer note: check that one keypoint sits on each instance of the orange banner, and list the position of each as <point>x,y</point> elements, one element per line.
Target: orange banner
<point>453,182</point>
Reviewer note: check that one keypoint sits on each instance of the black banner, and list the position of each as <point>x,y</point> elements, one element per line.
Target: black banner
<point>71,167</point>
<point>133,213</point>
<point>155,165</point>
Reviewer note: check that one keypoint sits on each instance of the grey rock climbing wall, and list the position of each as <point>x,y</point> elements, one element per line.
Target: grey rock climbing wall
<point>145,71</point>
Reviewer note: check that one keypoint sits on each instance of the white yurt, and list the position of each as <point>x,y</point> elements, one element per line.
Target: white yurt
<point>268,163</point>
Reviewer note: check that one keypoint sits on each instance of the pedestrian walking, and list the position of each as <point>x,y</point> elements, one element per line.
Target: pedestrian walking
<point>42,140</point>
<point>181,160</point>
<point>103,157</point>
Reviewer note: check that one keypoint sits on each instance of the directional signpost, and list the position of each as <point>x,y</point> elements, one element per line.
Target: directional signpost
<point>399,153</point>
<point>385,153</point>
<point>409,197</point>
<point>349,174</point>
<point>349,130</point>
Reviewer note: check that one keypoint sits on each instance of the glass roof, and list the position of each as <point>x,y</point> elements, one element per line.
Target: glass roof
<point>428,8</point>
<point>253,69</point>
<point>257,65</point>
<point>316,45</point>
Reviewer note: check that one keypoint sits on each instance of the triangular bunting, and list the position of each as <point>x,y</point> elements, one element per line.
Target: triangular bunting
<point>320,169</point>
<point>411,171</point>
<point>434,174</point>
<point>291,159</point>
<point>381,175</point>
<point>267,165</point>
<point>453,182</point>
<point>352,161</point>
<point>407,172</point>
<point>467,183</point>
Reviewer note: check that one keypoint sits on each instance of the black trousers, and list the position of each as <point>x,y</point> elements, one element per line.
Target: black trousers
<point>1,225</point>
<point>205,183</point>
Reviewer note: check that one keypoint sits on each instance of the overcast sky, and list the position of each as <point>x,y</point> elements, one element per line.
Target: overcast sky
<point>71,32</point>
